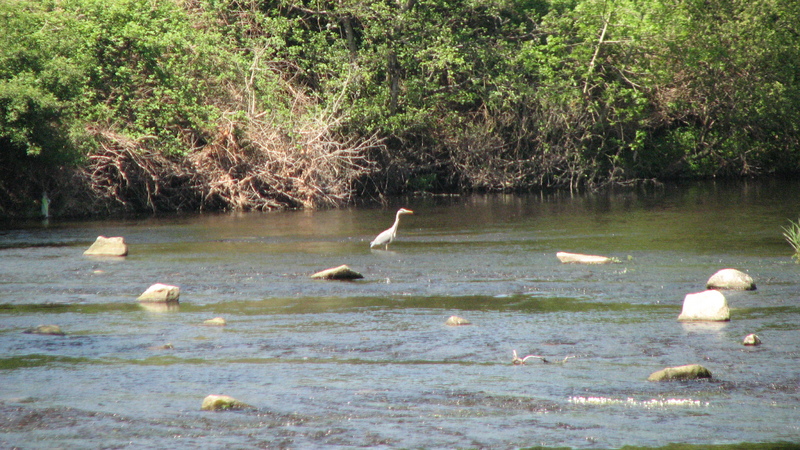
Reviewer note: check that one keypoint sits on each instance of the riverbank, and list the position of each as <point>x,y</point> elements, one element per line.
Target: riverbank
<point>130,106</point>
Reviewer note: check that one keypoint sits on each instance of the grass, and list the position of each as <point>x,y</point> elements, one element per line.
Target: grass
<point>792,235</point>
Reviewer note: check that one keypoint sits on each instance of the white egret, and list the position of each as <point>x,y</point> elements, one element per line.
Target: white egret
<point>386,237</point>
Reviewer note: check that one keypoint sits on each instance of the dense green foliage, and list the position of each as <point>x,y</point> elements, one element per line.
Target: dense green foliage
<point>464,94</point>
<point>505,94</point>
<point>137,67</point>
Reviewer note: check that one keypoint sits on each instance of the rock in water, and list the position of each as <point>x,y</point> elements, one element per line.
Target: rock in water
<point>688,372</point>
<point>577,258</point>
<point>215,322</point>
<point>705,306</point>
<point>731,279</point>
<point>162,293</point>
<point>108,246</point>
<point>342,272</point>
<point>53,330</point>
<point>455,321</point>
<point>222,402</point>
<point>751,339</point>
<point>166,346</point>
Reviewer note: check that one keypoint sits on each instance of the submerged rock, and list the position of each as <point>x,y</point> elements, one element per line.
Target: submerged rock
<point>708,305</point>
<point>752,339</point>
<point>222,402</point>
<point>577,258</point>
<point>455,321</point>
<point>167,346</point>
<point>731,279</point>
<point>215,322</point>
<point>108,246</point>
<point>687,372</point>
<point>163,293</point>
<point>53,330</point>
<point>343,272</point>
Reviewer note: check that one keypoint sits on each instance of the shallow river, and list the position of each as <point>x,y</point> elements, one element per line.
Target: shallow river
<point>371,362</point>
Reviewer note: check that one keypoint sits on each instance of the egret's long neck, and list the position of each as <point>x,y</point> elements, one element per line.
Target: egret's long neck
<point>396,221</point>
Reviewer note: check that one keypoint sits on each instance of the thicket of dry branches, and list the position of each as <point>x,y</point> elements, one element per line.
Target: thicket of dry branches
<point>247,165</point>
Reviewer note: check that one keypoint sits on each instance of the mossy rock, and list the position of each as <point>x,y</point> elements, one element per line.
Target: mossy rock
<point>222,403</point>
<point>687,372</point>
<point>343,272</point>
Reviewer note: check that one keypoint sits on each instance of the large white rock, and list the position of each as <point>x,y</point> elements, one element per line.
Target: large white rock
<point>160,293</point>
<point>455,321</point>
<point>752,339</point>
<point>108,246</point>
<point>708,305</point>
<point>577,258</point>
<point>215,322</point>
<point>731,279</point>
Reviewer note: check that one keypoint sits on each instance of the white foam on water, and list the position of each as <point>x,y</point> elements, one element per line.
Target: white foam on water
<point>632,402</point>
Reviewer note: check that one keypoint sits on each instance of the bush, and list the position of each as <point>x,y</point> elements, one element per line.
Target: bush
<point>41,75</point>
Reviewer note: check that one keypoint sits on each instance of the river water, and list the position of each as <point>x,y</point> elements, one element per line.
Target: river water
<point>371,362</point>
